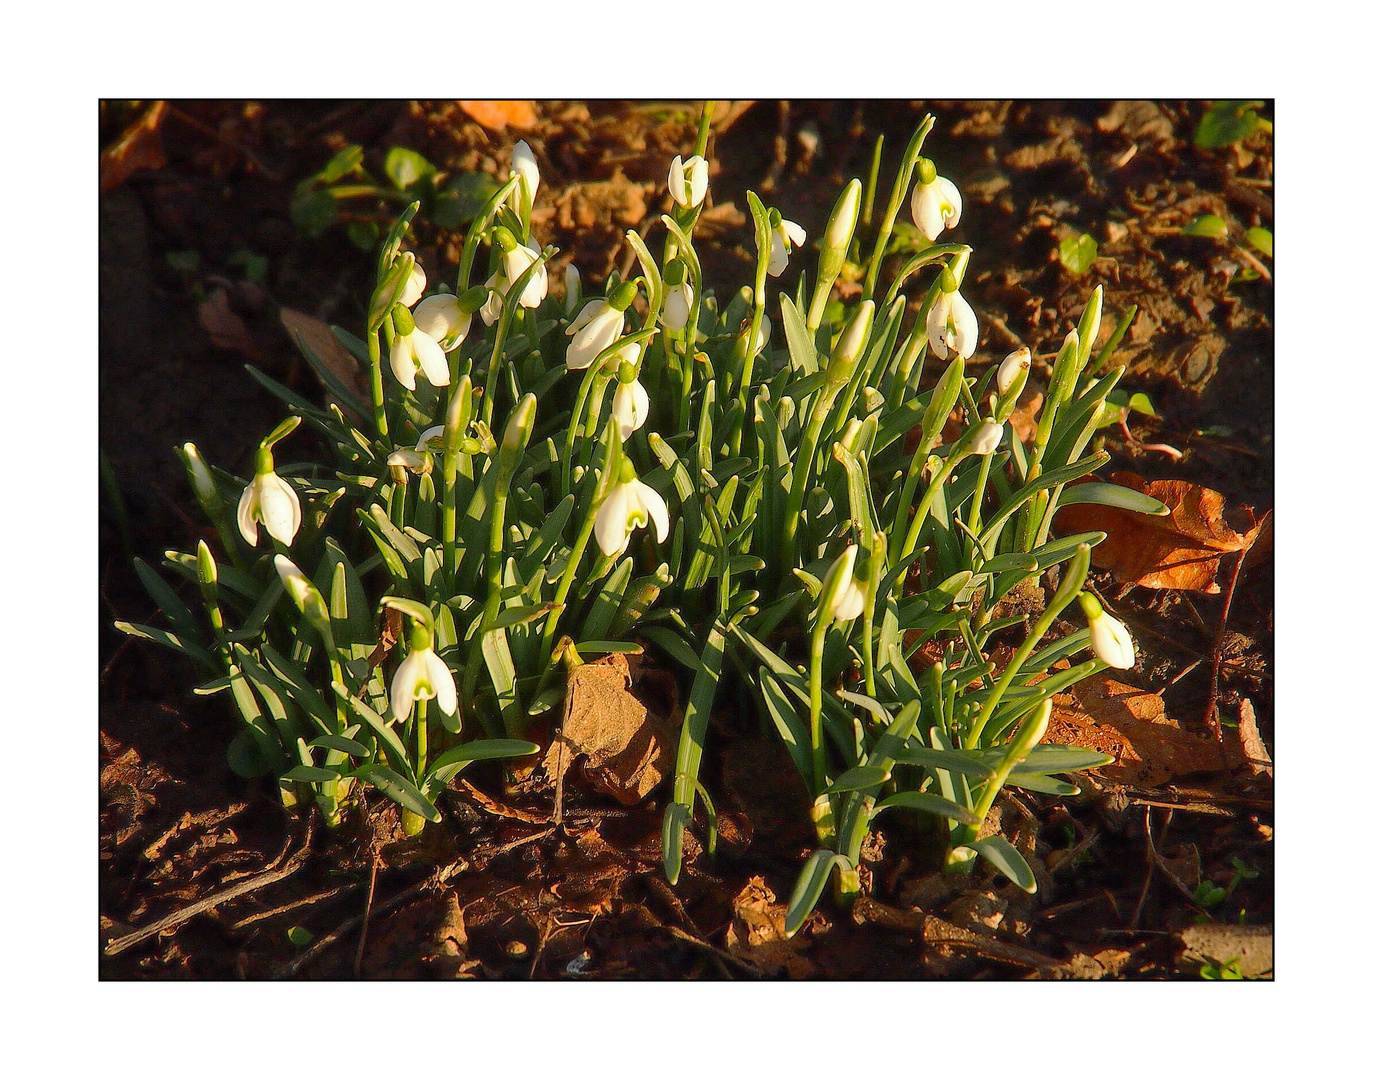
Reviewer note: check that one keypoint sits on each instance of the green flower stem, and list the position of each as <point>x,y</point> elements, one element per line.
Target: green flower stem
<point>817,741</point>
<point>805,460</point>
<point>421,736</point>
<point>1074,575</point>
<point>760,282</point>
<point>378,389</point>
<point>472,243</point>
<point>574,558</point>
<point>1016,752</point>
<point>922,511</point>
<point>894,204</point>
<point>570,445</point>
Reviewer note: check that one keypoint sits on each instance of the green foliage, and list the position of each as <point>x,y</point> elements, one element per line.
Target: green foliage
<point>1077,253</point>
<point>787,533</point>
<point>1229,122</point>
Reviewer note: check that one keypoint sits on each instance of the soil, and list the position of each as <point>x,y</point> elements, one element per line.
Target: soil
<point>197,249</point>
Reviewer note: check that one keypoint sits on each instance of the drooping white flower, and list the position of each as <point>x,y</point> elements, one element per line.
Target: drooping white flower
<point>443,319</point>
<point>496,285</point>
<point>523,165</point>
<point>1010,370</point>
<point>422,675</point>
<point>687,180</point>
<point>595,328</point>
<point>786,236</point>
<point>630,407</point>
<point>271,500</point>
<point>935,206</point>
<point>414,286</point>
<point>1110,640</point>
<point>629,506</point>
<point>514,263</point>
<point>952,326</point>
<point>986,438</point>
<point>677,306</point>
<point>417,350</point>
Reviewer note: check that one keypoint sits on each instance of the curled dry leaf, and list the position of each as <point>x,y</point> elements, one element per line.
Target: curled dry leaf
<point>757,933</point>
<point>1101,713</point>
<point>498,115</point>
<point>226,327</point>
<point>629,747</point>
<point>1180,551</point>
<point>315,335</point>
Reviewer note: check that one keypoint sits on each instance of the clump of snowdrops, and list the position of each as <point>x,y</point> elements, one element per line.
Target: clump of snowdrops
<point>534,482</point>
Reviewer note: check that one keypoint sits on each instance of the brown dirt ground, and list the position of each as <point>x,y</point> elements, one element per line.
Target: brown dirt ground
<point>496,891</point>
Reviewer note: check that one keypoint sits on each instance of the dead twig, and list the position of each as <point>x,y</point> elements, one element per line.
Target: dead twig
<point>1212,714</point>
<point>366,918</point>
<point>438,877</point>
<point>176,918</point>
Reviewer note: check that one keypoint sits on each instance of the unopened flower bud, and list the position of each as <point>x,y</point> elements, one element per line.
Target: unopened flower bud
<point>1013,372</point>
<point>523,165</point>
<point>851,344</point>
<point>985,438</point>
<point>688,180</point>
<point>840,229</point>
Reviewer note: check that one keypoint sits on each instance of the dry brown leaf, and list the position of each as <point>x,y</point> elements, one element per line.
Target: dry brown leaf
<point>757,933</point>
<point>1103,714</point>
<point>315,335</point>
<point>497,115</point>
<point>139,147</point>
<point>629,747</point>
<point>1180,551</point>
<point>1251,742</point>
<point>226,328</point>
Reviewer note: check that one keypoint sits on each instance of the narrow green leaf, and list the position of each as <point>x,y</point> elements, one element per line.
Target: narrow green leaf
<point>398,789</point>
<point>1122,498</point>
<point>932,804</point>
<point>998,851</point>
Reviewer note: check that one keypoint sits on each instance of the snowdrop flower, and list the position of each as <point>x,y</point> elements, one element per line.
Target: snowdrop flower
<point>270,500</point>
<point>516,258</point>
<point>784,237</point>
<point>443,319</point>
<point>985,438</point>
<point>630,407</point>
<point>840,597</point>
<point>677,306</point>
<point>496,285</point>
<point>598,325</point>
<point>403,462</point>
<point>523,165</point>
<point>414,349</point>
<point>1110,640</point>
<point>414,286</point>
<point>629,506</point>
<point>935,203</point>
<point>952,326</point>
<point>421,676</point>
<point>594,329</point>
<point>1010,370</point>
<point>688,180</point>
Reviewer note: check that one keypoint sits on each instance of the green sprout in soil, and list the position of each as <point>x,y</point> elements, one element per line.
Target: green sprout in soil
<point>799,498</point>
